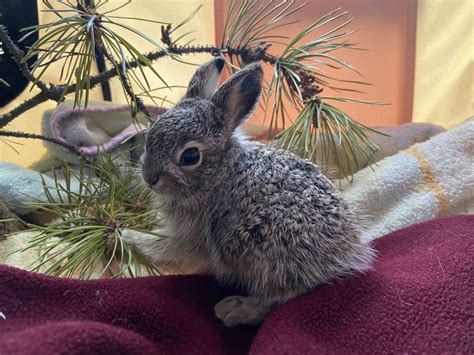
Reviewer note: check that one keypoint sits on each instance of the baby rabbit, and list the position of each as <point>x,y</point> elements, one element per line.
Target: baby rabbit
<point>255,216</point>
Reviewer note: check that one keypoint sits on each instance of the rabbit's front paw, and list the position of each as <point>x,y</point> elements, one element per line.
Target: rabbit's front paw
<point>150,246</point>
<point>236,310</point>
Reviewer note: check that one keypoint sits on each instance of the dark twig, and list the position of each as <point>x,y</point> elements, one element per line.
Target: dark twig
<point>17,55</point>
<point>16,134</point>
<point>23,107</point>
<point>126,85</point>
<point>54,91</point>
<point>166,35</point>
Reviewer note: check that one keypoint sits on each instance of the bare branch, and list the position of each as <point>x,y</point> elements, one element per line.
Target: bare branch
<point>55,92</point>
<point>70,147</point>
<point>22,108</point>
<point>17,55</point>
<point>126,85</point>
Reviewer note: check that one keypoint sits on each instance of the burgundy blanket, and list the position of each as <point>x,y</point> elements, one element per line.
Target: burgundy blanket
<point>419,297</point>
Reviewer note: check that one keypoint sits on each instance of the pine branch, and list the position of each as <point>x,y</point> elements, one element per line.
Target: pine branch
<point>18,134</point>
<point>53,92</point>
<point>125,83</point>
<point>17,56</point>
<point>297,79</point>
<point>85,238</point>
<point>97,33</point>
<point>6,118</point>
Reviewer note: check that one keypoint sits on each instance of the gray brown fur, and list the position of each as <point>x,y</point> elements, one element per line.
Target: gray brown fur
<point>254,216</point>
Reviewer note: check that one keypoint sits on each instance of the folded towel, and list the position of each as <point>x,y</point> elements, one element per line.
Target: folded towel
<point>431,179</point>
<point>101,126</point>
<point>418,298</point>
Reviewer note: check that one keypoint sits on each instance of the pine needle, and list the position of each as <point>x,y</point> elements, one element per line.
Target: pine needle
<point>73,38</point>
<point>84,240</point>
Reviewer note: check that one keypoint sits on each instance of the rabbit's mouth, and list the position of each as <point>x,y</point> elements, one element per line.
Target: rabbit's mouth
<point>163,187</point>
<point>157,186</point>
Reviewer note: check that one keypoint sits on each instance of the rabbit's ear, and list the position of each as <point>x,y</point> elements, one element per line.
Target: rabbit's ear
<point>204,82</point>
<point>239,95</point>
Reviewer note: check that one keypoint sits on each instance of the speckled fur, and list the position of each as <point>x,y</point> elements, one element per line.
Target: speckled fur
<point>253,215</point>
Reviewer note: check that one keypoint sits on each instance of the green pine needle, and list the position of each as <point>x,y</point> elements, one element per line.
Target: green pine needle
<point>320,132</point>
<point>330,137</point>
<point>84,240</point>
<point>73,37</point>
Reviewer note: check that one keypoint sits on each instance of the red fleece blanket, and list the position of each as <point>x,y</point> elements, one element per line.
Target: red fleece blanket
<point>419,297</point>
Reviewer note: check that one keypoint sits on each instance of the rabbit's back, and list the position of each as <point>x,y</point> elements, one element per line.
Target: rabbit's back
<point>279,222</point>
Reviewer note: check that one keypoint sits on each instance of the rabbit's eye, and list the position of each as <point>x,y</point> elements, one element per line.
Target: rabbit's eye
<point>190,156</point>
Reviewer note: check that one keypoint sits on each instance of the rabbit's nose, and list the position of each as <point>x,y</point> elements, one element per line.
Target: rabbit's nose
<point>153,181</point>
<point>150,176</point>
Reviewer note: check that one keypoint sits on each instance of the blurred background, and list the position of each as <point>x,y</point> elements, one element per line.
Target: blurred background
<point>418,57</point>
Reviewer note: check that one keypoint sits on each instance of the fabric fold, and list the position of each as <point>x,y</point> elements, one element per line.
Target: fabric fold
<point>416,299</point>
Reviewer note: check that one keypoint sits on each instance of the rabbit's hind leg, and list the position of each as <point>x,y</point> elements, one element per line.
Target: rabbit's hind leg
<point>236,310</point>
<point>251,310</point>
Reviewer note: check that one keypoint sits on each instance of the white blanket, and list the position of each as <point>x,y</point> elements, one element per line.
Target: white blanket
<point>428,180</point>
